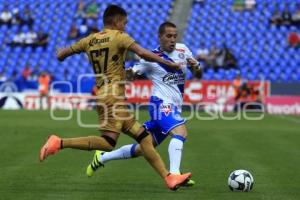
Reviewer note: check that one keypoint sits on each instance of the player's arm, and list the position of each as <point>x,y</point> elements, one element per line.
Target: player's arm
<point>75,48</point>
<point>151,57</point>
<point>131,74</point>
<point>195,67</point>
<point>63,53</point>
<point>138,69</point>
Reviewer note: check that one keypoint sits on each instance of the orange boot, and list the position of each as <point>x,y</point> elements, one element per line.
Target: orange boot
<point>52,146</point>
<point>174,181</point>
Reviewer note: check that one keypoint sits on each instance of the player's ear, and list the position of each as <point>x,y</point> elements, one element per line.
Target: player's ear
<point>118,19</point>
<point>160,36</point>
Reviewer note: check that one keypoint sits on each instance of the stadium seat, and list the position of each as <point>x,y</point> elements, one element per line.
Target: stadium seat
<point>259,48</point>
<point>257,44</point>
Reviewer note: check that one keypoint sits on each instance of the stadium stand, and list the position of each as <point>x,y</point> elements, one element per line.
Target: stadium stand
<point>56,18</point>
<point>261,49</point>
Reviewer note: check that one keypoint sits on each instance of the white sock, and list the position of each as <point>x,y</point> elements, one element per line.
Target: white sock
<point>124,152</point>
<point>175,152</point>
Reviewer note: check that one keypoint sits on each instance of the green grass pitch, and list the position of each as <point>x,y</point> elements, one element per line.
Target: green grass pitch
<point>269,149</point>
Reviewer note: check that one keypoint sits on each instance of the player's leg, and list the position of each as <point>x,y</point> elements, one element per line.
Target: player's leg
<point>150,154</point>
<point>178,137</point>
<point>159,136</point>
<point>169,120</point>
<point>131,127</point>
<point>139,133</point>
<point>54,143</point>
<point>41,101</point>
<point>121,115</point>
<point>177,130</point>
<point>144,147</point>
<point>127,151</point>
<point>133,150</point>
<point>105,142</point>
<point>101,157</point>
<point>108,126</point>
<point>111,137</point>
<point>48,101</point>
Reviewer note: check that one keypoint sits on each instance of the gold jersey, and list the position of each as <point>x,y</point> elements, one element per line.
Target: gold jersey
<point>107,52</point>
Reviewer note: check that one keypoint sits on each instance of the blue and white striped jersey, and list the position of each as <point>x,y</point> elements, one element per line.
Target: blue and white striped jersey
<point>168,84</point>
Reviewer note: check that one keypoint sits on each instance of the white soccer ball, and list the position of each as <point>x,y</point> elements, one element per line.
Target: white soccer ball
<point>240,180</point>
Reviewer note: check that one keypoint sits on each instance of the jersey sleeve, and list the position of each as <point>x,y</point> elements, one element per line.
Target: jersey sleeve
<point>189,54</point>
<point>142,67</point>
<point>124,40</point>
<point>80,46</point>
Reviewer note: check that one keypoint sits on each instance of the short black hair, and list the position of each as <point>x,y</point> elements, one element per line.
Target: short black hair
<point>163,26</point>
<point>111,12</point>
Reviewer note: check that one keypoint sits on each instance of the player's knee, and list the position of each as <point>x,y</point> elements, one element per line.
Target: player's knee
<point>179,137</point>
<point>111,143</point>
<point>184,134</point>
<point>180,130</point>
<point>181,134</point>
<point>142,136</point>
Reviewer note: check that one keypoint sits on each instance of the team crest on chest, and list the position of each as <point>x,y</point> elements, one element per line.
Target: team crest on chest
<point>181,55</point>
<point>167,109</point>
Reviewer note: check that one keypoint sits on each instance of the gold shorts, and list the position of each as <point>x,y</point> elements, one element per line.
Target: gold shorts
<point>115,116</point>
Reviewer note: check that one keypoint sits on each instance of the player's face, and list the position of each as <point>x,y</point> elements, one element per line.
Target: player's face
<point>121,23</point>
<point>168,39</point>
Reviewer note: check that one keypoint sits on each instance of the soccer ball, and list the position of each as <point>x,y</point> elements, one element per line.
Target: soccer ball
<point>240,180</point>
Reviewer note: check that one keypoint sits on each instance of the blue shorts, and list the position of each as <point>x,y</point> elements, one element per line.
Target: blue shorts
<point>164,118</point>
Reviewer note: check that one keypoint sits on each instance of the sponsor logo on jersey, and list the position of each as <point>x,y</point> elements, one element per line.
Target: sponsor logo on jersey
<point>95,41</point>
<point>181,55</point>
<point>172,78</point>
<point>166,108</point>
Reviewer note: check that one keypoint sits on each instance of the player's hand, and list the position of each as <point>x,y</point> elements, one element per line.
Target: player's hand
<point>192,62</point>
<point>130,75</point>
<point>195,68</point>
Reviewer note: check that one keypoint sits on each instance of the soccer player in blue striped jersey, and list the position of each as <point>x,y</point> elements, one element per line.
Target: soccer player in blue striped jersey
<point>165,103</point>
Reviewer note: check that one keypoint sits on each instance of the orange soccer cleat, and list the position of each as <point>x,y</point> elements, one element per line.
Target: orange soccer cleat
<point>174,181</point>
<point>52,146</point>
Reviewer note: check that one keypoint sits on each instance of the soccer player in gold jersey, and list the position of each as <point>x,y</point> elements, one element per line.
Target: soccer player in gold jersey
<point>107,51</point>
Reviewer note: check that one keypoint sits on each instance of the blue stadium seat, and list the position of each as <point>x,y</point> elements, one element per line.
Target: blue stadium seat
<point>259,48</point>
<point>256,44</point>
